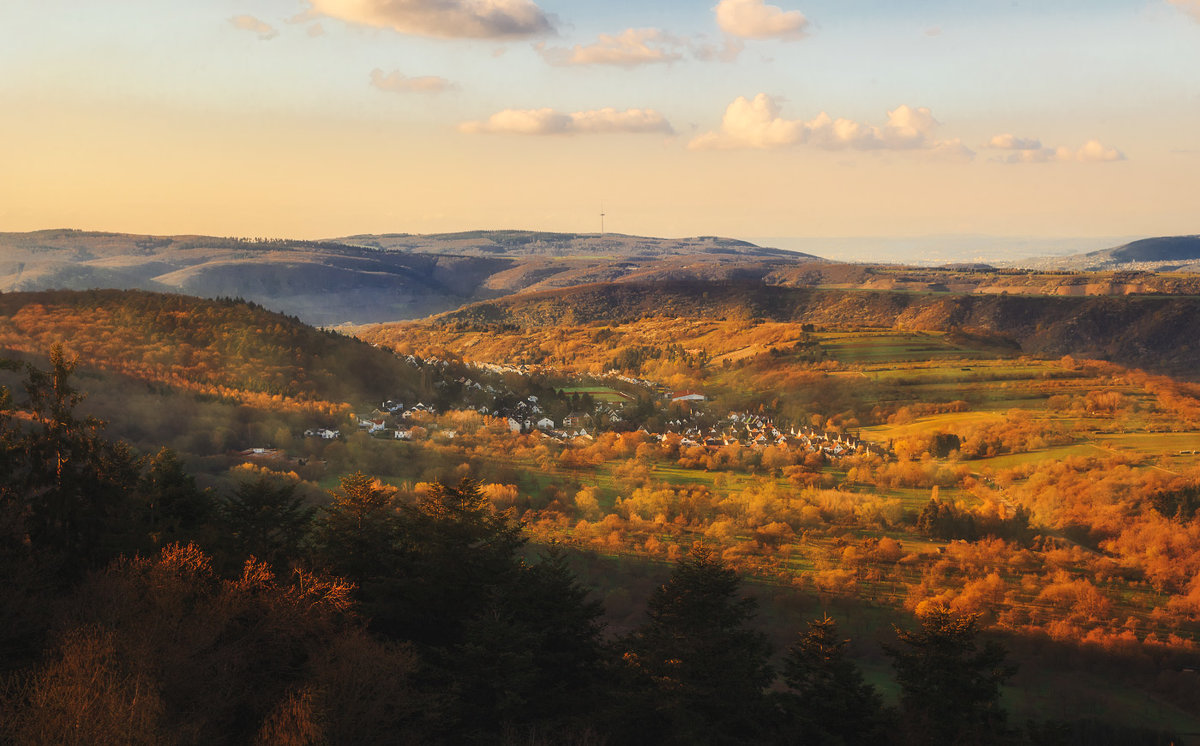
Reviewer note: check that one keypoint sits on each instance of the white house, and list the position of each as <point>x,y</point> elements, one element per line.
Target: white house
<point>545,424</point>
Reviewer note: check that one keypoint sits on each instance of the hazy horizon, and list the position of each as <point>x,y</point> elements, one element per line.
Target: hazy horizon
<point>733,118</point>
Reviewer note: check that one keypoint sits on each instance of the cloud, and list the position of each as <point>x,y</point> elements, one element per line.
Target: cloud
<point>754,19</point>
<point>316,30</point>
<point>394,82</point>
<point>445,19</point>
<point>1191,7</point>
<point>1012,142</point>
<point>1030,150</point>
<point>630,48</point>
<point>250,23</point>
<point>551,122</point>
<point>728,51</point>
<point>756,124</point>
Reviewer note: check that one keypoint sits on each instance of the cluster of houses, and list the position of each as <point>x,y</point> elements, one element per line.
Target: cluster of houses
<point>759,431</point>
<point>527,415</point>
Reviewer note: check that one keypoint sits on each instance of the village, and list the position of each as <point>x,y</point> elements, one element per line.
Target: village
<point>577,414</point>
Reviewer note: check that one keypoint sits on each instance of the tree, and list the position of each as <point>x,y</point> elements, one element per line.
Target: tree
<point>356,534</point>
<point>950,687</point>
<point>64,489</point>
<point>517,643</point>
<point>827,698</point>
<point>176,510</point>
<point>455,553</point>
<point>703,667</point>
<point>267,520</point>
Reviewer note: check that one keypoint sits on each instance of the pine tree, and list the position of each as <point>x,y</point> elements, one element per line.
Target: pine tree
<point>266,519</point>
<point>356,533</point>
<point>950,687</point>
<point>176,510</point>
<point>705,668</point>
<point>64,489</point>
<point>827,698</point>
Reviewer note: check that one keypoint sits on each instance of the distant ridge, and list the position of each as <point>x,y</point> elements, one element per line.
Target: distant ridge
<point>1158,254</point>
<point>535,243</point>
<point>366,278</point>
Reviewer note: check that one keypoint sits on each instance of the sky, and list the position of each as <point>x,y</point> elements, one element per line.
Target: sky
<point>796,119</point>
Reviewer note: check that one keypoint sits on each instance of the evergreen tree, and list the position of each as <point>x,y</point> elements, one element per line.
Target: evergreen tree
<point>176,510</point>
<point>950,687</point>
<point>265,519</point>
<point>356,533</point>
<point>64,489</point>
<point>698,662</point>
<point>827,699</point>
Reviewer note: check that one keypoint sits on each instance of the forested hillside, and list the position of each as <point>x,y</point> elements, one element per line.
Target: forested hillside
<point>221,347</point>
<point>1150,331</point>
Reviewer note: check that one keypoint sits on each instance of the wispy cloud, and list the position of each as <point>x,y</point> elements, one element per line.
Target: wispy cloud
<point>395,82</point>
<point>551,122</point>
<point>250,23</point>
<point>447,19</point>
<point>1031,150</point>
<point>642,46</point>
<point>756,123</point>
<point>707,51</point>
<point>754,19</point>
<point>630,48</point>
<point>1191,7</point>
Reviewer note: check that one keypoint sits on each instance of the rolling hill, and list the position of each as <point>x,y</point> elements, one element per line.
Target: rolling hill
<point>1152,332</point>
<point>1159,254</point>
<point>363,278</point>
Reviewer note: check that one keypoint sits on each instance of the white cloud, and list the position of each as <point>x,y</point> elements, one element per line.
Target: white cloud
<point>1012,142</point>
<point>250,23</point>
<point>757,124</point>
<point>754,19</point>
<point>551,122</point>
<point>1191,7</point>
<point>446,19</point>
<point>1031,150</point>
<point>395,82</point>
<point>629,48</point>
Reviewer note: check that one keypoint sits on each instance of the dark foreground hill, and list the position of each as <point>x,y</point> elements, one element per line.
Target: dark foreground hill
<point>1152,332</point>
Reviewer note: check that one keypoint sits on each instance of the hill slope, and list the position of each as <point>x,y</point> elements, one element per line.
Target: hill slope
<point>1153,332</point>
<point>1163,253</point>
<point>366,278</point>
<point>225,348</point>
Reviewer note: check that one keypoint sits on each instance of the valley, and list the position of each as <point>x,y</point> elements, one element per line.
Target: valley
<point>820,445</point>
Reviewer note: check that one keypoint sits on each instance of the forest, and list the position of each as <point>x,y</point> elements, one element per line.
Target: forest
<point>1020,535</point>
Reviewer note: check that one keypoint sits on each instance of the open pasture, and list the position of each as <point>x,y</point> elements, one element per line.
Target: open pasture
<point>869,347</point>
